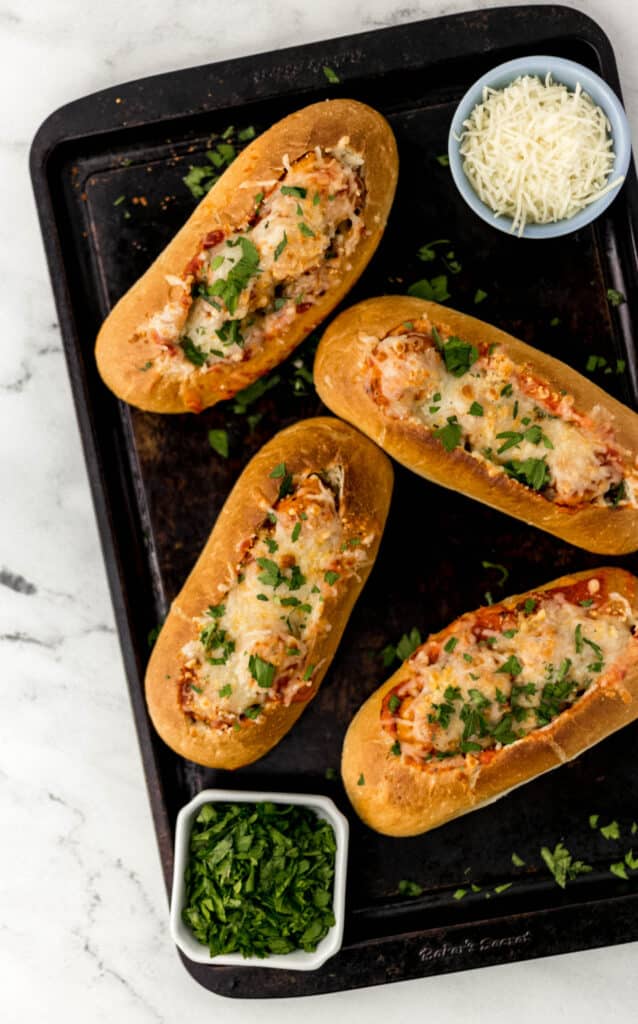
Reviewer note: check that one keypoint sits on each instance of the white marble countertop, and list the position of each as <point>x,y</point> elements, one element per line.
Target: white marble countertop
<point>83,934</point>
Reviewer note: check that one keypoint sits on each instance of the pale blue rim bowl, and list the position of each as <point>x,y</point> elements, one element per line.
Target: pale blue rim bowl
<point>569,73</point>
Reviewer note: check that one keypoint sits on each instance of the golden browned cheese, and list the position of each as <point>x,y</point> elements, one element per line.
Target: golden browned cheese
<point>140,349</point>
<point>343,380</point>
<point>337,537</point>
<point>407,769</point>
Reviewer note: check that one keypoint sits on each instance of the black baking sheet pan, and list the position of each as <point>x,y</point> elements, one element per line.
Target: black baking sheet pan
<point>158,485</point>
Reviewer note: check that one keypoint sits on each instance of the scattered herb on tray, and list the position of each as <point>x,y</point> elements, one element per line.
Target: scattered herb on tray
<point>406,646</point>
<point>259,879</point>
<point>409,888</point>
<point>331,76</point>
<point>218,440</point>
<point>614,297</point>
<point>224,148</point>
<point>435,289</point>
<point>562,865</point>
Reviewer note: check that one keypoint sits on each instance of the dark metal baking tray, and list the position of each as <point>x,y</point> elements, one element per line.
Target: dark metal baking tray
<point>158,486</point>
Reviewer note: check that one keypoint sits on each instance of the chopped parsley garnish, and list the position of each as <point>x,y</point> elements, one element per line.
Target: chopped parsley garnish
<point>394,704</point>
<point>199,180</point>
<point>529,605</point>
<point>246,267</point>
<point>458,894</point>
<point>479,296</point>
<point>449,435</point>
<point>451,644</point>
<point>218,440</point>
<point>331,774</point>
<point>308,673</point>
<point>263,672</point>
<point>253,711</point>
<point>408,888</point>
<point>616,493</point>
<point>443,159</point>
<point>476,409</point>
<point>395,748</point>
<point>512,667</point>
<point>305,230</point>
<point>361,781</point>
<point>294,190</point>
<point>408,643</point>
<point>331,76</point>
<point>513,438</point>
<point>296,530</point>
<point>194,354</point>
<point>615,297</point>
<point>280,248</point>
<point>434,289</point>
<point>517,861</point>
<point>214,639</point>
<point>459,355</point>
<point>245,134</point>
<point>281,473</point>
<point>254,391</point>
<point>331,577</point>
<point>504,573</point>
<point>619,870</point>
<point>533,473</point>
<point>611,831</point>
<point>562,866</point>
<point>427,254</point>
<point>593,820</point>
<point>226,690</point>
<point>259,878</point>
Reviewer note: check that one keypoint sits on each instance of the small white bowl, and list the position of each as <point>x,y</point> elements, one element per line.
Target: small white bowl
<point>298,960</point>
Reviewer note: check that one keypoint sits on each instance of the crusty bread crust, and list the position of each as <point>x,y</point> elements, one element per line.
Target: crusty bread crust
<point>338,379</point>
<point>306,446</point>
<point>121,351</point>
<point>400,799</point>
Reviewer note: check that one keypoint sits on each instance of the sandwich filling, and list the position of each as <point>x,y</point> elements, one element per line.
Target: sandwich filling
<point>246,286</point>
<point>254,644</point>
<point>497,675</point>
<point>476,400</point>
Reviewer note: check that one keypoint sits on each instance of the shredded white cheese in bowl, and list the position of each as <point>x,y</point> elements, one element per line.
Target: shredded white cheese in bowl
<point>538,151</point>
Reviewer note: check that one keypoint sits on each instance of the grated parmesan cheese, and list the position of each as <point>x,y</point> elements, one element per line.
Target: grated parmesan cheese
<point>537,152</point>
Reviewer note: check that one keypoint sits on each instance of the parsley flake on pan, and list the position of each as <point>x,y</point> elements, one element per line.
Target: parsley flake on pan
<point>409,888</point>
<point>218,440</point>
<point>561,864</point>
<point>435,289</point>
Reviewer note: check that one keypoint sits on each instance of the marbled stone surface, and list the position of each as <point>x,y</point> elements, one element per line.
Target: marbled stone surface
<point>83,916</point>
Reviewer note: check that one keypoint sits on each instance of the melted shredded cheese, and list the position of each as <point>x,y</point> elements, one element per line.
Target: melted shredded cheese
<point>485,688</point>
<point>537,152</point>
<point>501,415</point>
<point>274,610</point>
<point>304,228</point>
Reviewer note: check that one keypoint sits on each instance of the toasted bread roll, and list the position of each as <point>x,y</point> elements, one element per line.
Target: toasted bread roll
<point>498,697</point>
<point>268,253</point>
<point>471,408</point>
<point>251,634</point>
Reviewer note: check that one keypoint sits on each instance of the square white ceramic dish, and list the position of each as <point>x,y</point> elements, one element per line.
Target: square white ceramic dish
<point>298,960</point>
